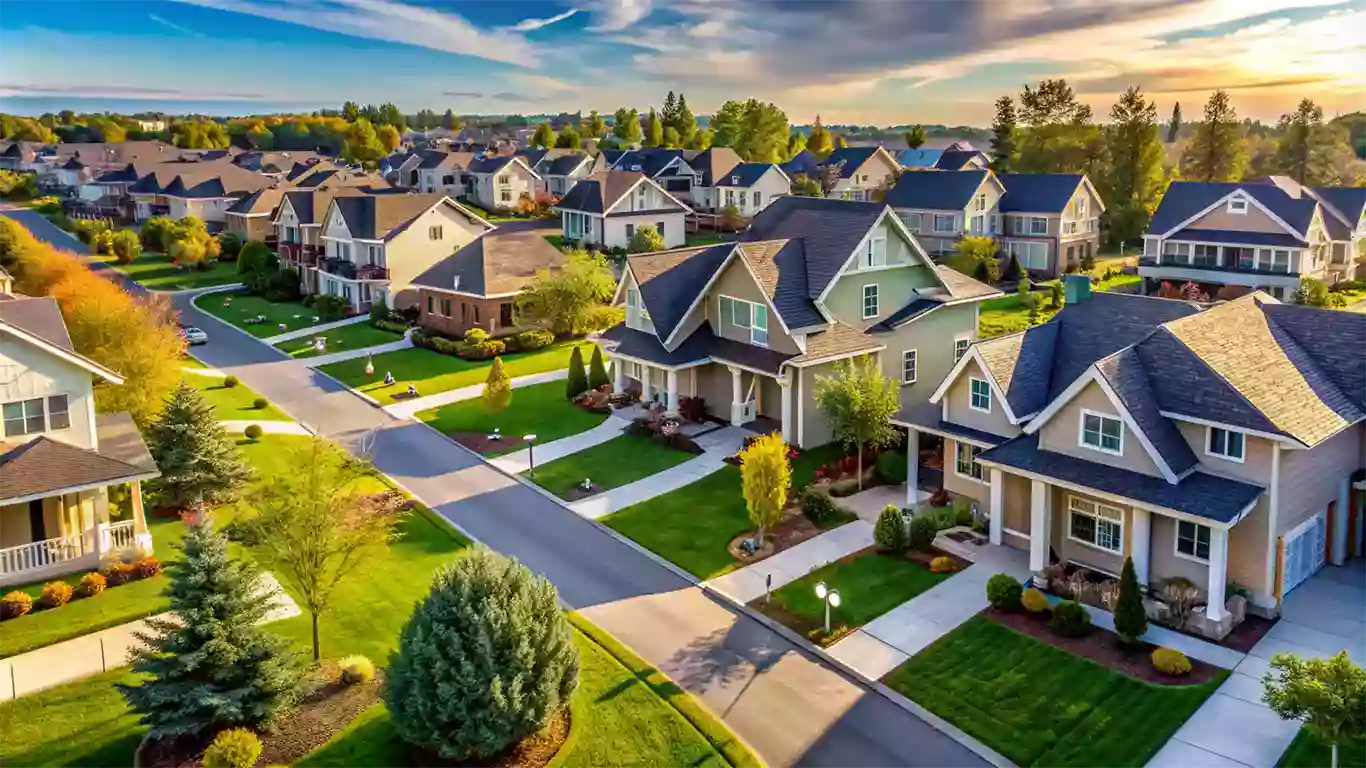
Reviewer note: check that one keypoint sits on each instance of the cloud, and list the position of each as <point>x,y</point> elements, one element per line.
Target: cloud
<point>463,94</point>
<point>500,96</point>
<point>530,25</point>
<point>616,15</point>
<point>541,82</point>
<point>174,26</point>
<point>126,92</point>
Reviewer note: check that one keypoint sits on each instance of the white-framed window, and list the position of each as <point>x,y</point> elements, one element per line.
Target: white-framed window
<point>1030,255</point>
<point>960,348</point>
<point>372,254</point>
<point>1273,260</point>
<point>1237,205</point>
<point>24,417</point>
<point>908,364</point>
<point>912,221</point>
<point>659,227</point>
<point>870,301</point>
<point>637,316</point>
<point>505,196</point>
<point>1102,432</point>
<point>1095,524</point>
<point>1038,225</point>
<point>943,222</point>
<point>1205,255</point>
<point>434,233</point>
<point>757,197</point>
<point>875,252</point>
<point>980,202</point>
<point>965,461</point>
<point>747,316</point>
<point>58,412</point>
<point>630,231</point>
<point>979,395</point>
<point>1192,540</point>
<point>1226,444</point>
<point>1177,253</point>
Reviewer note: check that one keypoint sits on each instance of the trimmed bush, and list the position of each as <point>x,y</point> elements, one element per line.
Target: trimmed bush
<point>15,604</point>
<point>1003,592</point>
<point>1170,661</point>
<point>230,381</point>
<point>1070,619</point>
<point>891,467</point>
<point>253,432</point>
<point>121,573</point>
<point>1131,620</point>
<point>55,594</point>
<point>260,403</point>
<point>1034,600</point>
<point>923,531</point>
<point>147,566</point>
<point>356,669</point>
<point>597,372</point>
<point>90,585</point>
<point>390,325</point>
<point>233,748</point>
<point>943,564</point>
<point>577,382</point>
<point>890,531</point>
<point>818,507</point>
<point>534,339</point>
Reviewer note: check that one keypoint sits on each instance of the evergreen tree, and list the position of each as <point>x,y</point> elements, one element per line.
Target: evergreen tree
<point>350,111</point>
<point>627,126</point>
<point>1003,129</point>
<point>795,144</point>
<point>1216,151</point>
<point>1174,127</point>
<point>671,138</point>
<point>819,142</point>
<point>544,136</point>
<point>196,458</point>
<point>685,123</point>
<point>597,374</point>
<point>1057,134</point>
<point>449,122</point>
<point>669,114</point>
<point>915,137</point>
<point>594,127</point>
<point>486,659</point>
<point>1132,184</point>
<point>701,139</point>
<point>568,138</point>
<point>497,388</point>
<point>1131,621</point>
<point>654,130</point>
<point>577,383</point>
<point>1306,148</point>
<point>213,667</point>
<point>765,475</point>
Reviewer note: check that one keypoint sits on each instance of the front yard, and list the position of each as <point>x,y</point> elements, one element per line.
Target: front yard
<point>1006,314</point>
<point>154,270</point>
<point>233,403</point>
<point>347,337</point>
<point>236,308</point>
<point>1307,752</point>
<point>609,465</point>
<point>1039,705</point>
<point>539,409</point>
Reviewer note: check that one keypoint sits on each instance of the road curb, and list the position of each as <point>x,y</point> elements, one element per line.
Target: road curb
<point>368,399</point>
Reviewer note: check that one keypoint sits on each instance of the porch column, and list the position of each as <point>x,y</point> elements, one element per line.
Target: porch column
<point>786,384</point>
<point>998,517</point>
<point>135,498</point>
<point>912,467</point>
<point>736,407</point>
<point>1341,511</point>
<point>672,383</point>
<point>1040,531</point>
<point>646,390</point>
<point>1140,542</point>
<point>618,375</point>
<point>1218,573</point>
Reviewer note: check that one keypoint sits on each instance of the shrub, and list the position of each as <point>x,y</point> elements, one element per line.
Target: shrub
<point>890,531</point>
<point>147,566</point>
<point>577,382</point>
<point>891,467</point>
<point>356,669</point>
<point>1034,600</point>
<point>329,307</point>
<point>120,573</point>
<point>818,507</point>
<point>260,403</point>
<point>233,748</point>
<point>923,531</point>
<point>597,372</point>
<point>391,325</point>
<point>1003,592</point>
<point>379,310</point>
<point>55,594</point>
<point>943,564</point>
<point>1070,619</point>
<point>15,604</point>
<point>253,432</point>
<point>230,381</point>
<point>962,514</point>
<point>90,585</point>
<point>535,339</point>
<point>846,487</point>
<point>1172,662</point>
<point>308,300</point>
<point>1131,620</point>
<point>229,245</point>
<point>125,246</point>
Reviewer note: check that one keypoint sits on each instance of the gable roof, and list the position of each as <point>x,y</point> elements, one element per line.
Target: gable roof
<point>713,163</point>
<point>671,281</point>
<point>745,174</point>
<point>945,191</point>
<point>493,264</point>
<point>598,192</point>
<point>43,465</point>
<point>383,216</point>
<point>563,165</point>
<point>1184,200</point>
<point>1038,192</point>
<point>199,178</point>
<point>38,320</point>
<point>829,229</point>
<point>649,161</point>
<point>958,159</point>
<point>1344,207</point>
<point>803,162</point>
<point>852,157</point>
<point>435,159</point>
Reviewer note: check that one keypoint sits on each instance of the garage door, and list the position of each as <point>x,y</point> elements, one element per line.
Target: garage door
<point>1304,551</point>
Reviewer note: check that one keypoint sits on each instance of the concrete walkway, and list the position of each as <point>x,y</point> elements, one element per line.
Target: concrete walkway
<point>268,427</point>
<point>299,333</point>
<point>520,461</point>
<point>407,409</point>
<point>202,371</point>
<point>787,566</point>
<point>352,354</point>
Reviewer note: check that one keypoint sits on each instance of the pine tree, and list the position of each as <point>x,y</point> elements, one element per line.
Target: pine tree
<point>1216,152</point>
<point>1305,152</point>
<point>686,123</point>
<point>1174,127</point>
<point>669,113</point>
<point>544,136</point>
<point>654,130</point>
<point>448,120</point>
<point>1132,182</point>
<point>597,374</point>
<point>819,142</point>
<point>214,667</point>
<point>1131,621</point>
<point>577,383</point>
<point>497,388</point>
<point>1003,129</point>
<point>196,458</point>
<point>915,137</point>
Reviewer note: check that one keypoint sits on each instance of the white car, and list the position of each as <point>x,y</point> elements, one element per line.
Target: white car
<point>193,336</point>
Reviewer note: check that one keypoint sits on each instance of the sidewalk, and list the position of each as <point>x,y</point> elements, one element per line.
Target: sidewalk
<point>787,566</point>
<point>520,461</point>
<point>268,427</point>
<point>299,333</point>
<point>408,409</point>
<point>352,354</point>
<point>202,371</point>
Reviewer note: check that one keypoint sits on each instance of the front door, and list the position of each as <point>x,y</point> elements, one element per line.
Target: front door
<point>37,528</point>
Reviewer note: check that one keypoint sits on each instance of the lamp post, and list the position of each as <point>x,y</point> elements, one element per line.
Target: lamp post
<point>369,366</point>
<point>530,454</point>
<point>831,598</point>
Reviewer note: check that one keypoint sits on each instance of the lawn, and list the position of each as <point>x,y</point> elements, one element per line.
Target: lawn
<point>1006,314</point>
<point>235,308</point>
<point>621,460</point>
<point>692,526</point>
<point>555,240</point>
<point>233,403</point>
<point>433,372</point>
<point>540,409</point>
<point>1307,752</point>
<point>1039,705</point>
<point>707,238</point>
<point>154,270</point>
<point>869,584</point>
<point>348,337</point>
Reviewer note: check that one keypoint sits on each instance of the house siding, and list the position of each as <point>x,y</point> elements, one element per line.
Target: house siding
<point>35,373</point>
<point>737,282</point>
<point>463,311</point>
<point>959,410</point>
<point>932,337</point>
<point>1070,550</point>
<point>613,232</point>
<point>1311,479</point>
<point>411,252</point>
<point>815,428</point>
<point>1060,434</point>
<point>1253,221</point>
<point>965,486</point>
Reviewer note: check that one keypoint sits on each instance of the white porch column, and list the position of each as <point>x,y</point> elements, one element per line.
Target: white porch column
<point>1140,542</point>
<point>998,517</point>
<point>1218,572</point>
<point>646,388</point>
<point>736,406</point>
<point>1342,510</point>
<point>785,383</point>
<point>1040,531</point>
<point>912,467</point>
<point>672,383</point>
<point>619,375</point>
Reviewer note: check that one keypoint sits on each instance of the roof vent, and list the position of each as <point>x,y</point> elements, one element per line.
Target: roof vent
<point>455,283</point>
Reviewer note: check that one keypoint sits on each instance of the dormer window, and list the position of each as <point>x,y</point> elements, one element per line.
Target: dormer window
<point>1103,433</point>
<point>1237,205</point>
<point>979,395</point>
<point>1226,444</point>
<point>735,180</point>
<point>875,252</point>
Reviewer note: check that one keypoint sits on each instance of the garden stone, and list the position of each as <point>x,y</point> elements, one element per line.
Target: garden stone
<point>1237,608</point>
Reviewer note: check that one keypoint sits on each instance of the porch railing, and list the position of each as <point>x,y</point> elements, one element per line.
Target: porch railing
<point>42,554</point>
<point>118,536</point>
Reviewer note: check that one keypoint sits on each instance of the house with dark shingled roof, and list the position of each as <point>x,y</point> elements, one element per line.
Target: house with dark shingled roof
<point>604,209</point>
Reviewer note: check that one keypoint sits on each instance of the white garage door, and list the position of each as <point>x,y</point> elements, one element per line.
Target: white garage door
<point>1304,551</point>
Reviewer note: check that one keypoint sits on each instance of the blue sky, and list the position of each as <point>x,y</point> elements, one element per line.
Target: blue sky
<point>875,61</point>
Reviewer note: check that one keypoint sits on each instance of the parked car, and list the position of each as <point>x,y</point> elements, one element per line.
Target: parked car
<point>193,336</point>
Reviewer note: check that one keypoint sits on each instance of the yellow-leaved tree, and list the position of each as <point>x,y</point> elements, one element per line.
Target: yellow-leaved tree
<point>497,388</point>
<point>766,475</point>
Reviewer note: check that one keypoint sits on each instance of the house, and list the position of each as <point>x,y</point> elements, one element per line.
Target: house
<point>666,167</point>
<point>498,183</point>
<point>297,223</point>
<point>962,160</point>
<point>442,172</point>
<point>927,155</point>
<point>192,187</point>
<point>603,210</point>
<point>559,173</point>
<point>477,286</point>
<point>802,164</point>
<point>751,187</point>
<point>749,326</point>
<point>276,165</point>
<point>862,171</point>
<point>374,244</point>
<point>1217,445</point>
<point>1264,234</point>
<point>1047,222</point>
<point>253,217</point>
<point>19,156</point>
<point>59,460</point>
<point>711,165</point>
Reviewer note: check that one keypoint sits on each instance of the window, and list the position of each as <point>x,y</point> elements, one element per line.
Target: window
<point>504,179</point>
<point>756,199</point>
<point>1206,255</point>
<point>630,231</point>
<point>1038,225</point>
<point>1179,253</point>
<point>943,222</point>
<point>291,235</point>
<point>1029,254</point>
<point>659,227</point>
<point>1095,524</point>
<point>1192,540</point>
<point>58,412</point>
<point>434,233</point>
<point>475,309</point>
<point>965,462</point>
<point>980,204</point>
<point>445,307</point>
<point>908,366</point>
<point>1225,443</point>
<point>24,417</point>
<point>431,304</point>
<point>505,196</point>
<point>1102,433</point>
<point>912,221</point>
<point>505,314</point>
<point>960,348</point>
<point>1273,260</point>
<point>875,252</point>
<point>870,301</point>
<point>1237,205</point>
<point>979,395</point>
<point>748,316</point>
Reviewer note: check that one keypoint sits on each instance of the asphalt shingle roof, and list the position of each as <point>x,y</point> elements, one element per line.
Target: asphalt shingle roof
<point>493,264</point>
<point>1038,192</point>
<point>744,175</point>
<point>936,191</point>
<point>713,163</point>
<point>1345,206</point>
<point>829,229</point>
<point>1241,237</point>
<point>37,315</point>
<point>1125,373</point>
<point>379,217</point>
<point>1184,199</point>
<point>957,159</point>
<point>852,157</point>
<point>670,281</point>
<point>701,346</point>
<point>598,192</point>
<point>44,465</point>
<point>931,416</point>
<point>803,162</point>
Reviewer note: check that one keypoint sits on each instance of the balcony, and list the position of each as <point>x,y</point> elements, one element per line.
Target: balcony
<point>1156,268</point>
<point>349,270</point>
<point>372,272</point>
<point>297,253</point>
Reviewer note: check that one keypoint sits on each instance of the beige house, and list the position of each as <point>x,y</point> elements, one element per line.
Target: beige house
<point>205,189</point>
<point>253,217</point>
<point>59,460</point>
<point>604,210</point>
<point>478,285</point>
<point>499,183</point>
<point>862,171</point>
<point>1224,445</point>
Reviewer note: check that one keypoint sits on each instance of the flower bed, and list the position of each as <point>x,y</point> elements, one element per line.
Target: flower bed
<point>117,570</point>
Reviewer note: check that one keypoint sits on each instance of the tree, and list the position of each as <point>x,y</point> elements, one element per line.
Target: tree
<point>646,239</point>
<point>1174,126</point>
<point>859,402</point>
<point>563,300</point>
<point>840,141</point>
<point>594,127</point>
<point>805,186</point>
<point>198,461</point>
<point>449,122</point>
<point>126,246</point>
<point>671,138</point>
<point>685,123</point>
<point>391,115</point>
<point>1307,146</point>
<point>669,113</point>
<point>362,143</point>
<point>1133,182</point>
<point>1131,621</point>
<point>828,175</point>
<point>388,137</point>
<point>1003,129</point>
<point>597,372</point>
<point>350,111</point>
<point>627,126</point>
<point>577,381</point>
<point>568,138</point>
<point>654,130</point>
<point>212,667</point>
<point>484,661</point>
<point>497,388</point>
<point>1329,695</point>
<point>701,139</point>
<point>1216,153</point>
<point>756,130</point>
<point>1058,136</point>
<point>765,475</point>
<point>253,258</point>
<point>915,137</point>
<point>544,136</point>
<point>819,143</point>
<point>795,144</point>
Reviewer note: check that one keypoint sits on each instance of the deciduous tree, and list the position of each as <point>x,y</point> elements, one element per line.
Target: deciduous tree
<point>362,143</point>
<point>1216,151</point>
<point>388,137</point>
<point>1058,136</point>
<point>563,300</point>
<point>645,240</point>
<point>756,130</point>
<point>819,143</point>
<point>915,137</point>
<point>654,130</point>
<point>627,126</point>
<point>765,475</point>
<point>544,136</point>
<point>568,138</point>
<point>497,388</point>
<point>1307,146</point>
<point>594,127</point>
<point>1329,695</point>
<point>859,402</point>
<point>975,256</point>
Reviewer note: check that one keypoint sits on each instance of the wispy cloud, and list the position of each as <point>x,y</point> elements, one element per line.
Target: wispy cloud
<point>616,15</point>
<point>95,90</point>
<point>176,27</point>
<point>530,25</point>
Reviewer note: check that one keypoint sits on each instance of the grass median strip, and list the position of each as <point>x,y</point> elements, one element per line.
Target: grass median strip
<point>236,308</point>
<point>156,271</point>
<point>233,403</point>
<point>617,462</point>
<point>432,372</point>
<point>344,339</point>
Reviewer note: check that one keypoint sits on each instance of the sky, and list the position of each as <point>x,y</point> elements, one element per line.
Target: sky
<point>882,62</point>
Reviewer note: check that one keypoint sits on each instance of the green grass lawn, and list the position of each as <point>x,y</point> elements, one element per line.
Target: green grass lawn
<point>343,339</point>
<point>1039,705</point>
<point>692,526</point>
<point>1307,752</point>
<point>869,584</point>
<point>154,270</point>
<point>612,464</point>
<point>233,403</point>
<point>540,409</point>
<point>433,372</point>
<point>707,238</point>
<point>1006,314</point>
<point>236,308</point>
<point>555,240</point>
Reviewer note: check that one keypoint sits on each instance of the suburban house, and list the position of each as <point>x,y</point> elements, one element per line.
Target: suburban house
<point>666,167</point>
<point>710,165</point>
<point>477,286</point>
<point>1047,222</point>
<point>64,470</point>
<point>276,165</point>
<point>749,326</point>
<point>19,155</point>
<point>962,160</point>
<point>297,222</point>
<point>751,187</point>
<point>926,157</point>
<point>1217,445</point>
<point>1264,234</point>
<point>559,173</point>
<point>604,209</point>
<point>191,187</point>
<point>802,164</point>
<point>438,171</point>
<point>862,171</point>
<point>498,183</point>
<point>373,245</point>
<point>253,217</point>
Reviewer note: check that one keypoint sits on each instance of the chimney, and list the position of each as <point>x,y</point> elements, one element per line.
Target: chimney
<point>1076,287</point>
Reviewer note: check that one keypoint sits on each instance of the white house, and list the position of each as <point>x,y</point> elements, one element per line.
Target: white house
<point>498,183</point>
<point>750,187</point>
<point>606,208</point>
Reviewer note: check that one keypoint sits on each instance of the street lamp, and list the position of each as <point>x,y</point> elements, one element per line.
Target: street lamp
<point>369,366</point>
<point>530,454</point>
<point>831,598</point>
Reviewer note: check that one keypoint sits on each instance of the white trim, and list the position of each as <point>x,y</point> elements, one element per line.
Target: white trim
<point>983,479</point>
<point>139,477</point>
<point>1100,446</point>
<point>75,358</point>
<point>832,358</point>
<point>1228,207</point>
<point>946,434</point>
<point>1013,532</point>
<point>971,394</point>
<point>1209,444</point>
<point>1221,201</point>
<point>915,366</point>
<point>735,253</point>
<point>877,297</point>
<point>956,340</point>
<point>1176,541</point>
<point>751,327</point>
<point>975,354</point>
<point>900,226</point>
<point>1253,432</point>
<point>1097,517</point>
<point>642,180</point>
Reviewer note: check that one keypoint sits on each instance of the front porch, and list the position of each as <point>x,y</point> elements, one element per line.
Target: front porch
<point>68,532</point>
<point>738,396</point>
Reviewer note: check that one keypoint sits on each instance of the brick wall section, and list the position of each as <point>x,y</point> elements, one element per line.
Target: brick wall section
<point>453,315</point>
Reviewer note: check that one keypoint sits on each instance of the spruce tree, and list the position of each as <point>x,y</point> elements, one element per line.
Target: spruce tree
<point>497,388</point>
<point>686,124</point>
<point>597,372</point>
<point>1003,149</point>
<point>1131,621</point>
<point>213,667</point>
<point>1216,152</point>
<point>197,459</point>
<point>654,130</point>
<point>1174,127</point>
<point>486,659</point>
<point>577,383</point>
<point>819,142</point>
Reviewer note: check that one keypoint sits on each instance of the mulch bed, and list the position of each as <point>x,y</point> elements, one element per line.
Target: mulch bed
<point>482,442</point>
<point>1247,634</point>
<point>793,529</point>
<point>577,492</point>
<point>1102,646</point>
<point>967,537</point>
<point>532,752</point>
<point>925,557</point>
